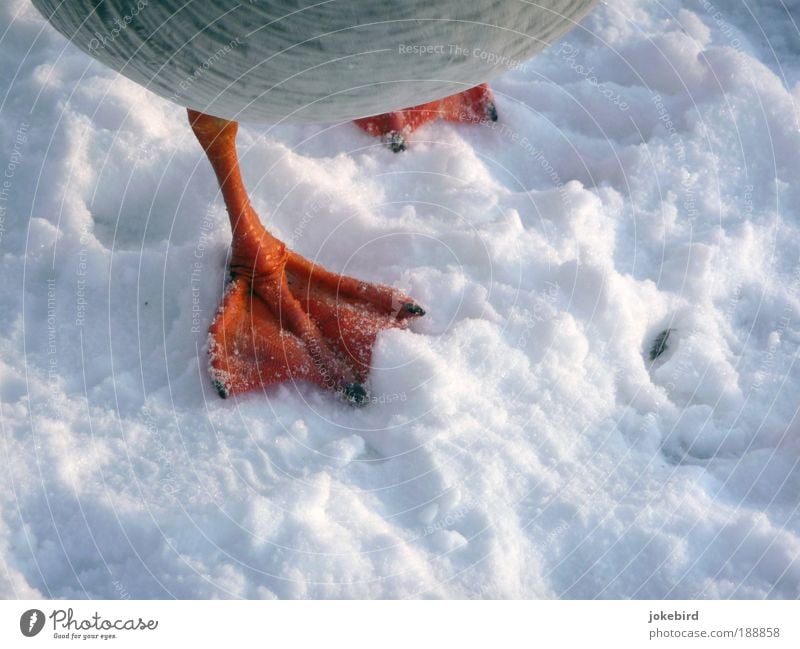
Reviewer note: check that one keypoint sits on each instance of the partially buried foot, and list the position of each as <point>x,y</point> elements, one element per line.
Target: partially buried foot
<point>473,106</point>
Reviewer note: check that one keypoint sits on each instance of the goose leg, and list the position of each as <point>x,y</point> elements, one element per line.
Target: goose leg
<point>473,106</point>
<point>284,318</point>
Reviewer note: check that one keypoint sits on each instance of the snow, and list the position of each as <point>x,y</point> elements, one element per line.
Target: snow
<point>520,443</point>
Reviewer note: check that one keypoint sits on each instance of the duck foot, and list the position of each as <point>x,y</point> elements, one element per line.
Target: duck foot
<point>302,323</point>
<point>473,106</point>
<point>283,318</point>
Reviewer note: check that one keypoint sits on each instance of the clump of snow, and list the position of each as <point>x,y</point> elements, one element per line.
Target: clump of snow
<point>520,442</point>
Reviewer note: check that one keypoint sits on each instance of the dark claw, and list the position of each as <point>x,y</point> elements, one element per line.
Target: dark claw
<point>413,309</point>
<point>355,393</point>
<point>222,391</point>
<point>491,111</point>
<point>397,142</point>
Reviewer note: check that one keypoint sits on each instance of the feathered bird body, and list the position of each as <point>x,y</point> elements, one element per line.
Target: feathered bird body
<point>306,60</point>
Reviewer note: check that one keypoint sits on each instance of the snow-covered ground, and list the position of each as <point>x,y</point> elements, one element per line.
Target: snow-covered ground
<point>644,175</point>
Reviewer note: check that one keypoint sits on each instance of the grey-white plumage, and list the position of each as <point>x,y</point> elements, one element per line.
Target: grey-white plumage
<point>272,60</point>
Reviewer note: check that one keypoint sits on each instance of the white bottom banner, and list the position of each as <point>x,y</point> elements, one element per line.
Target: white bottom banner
<point>399,624</point>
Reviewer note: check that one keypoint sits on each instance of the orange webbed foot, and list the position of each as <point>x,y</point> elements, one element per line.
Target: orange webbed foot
<point>282,317</point>
<point>308,324</point>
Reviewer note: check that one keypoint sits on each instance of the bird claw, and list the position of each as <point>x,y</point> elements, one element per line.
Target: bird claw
<point>397,142</point>
<point>355,394</point>
<point>413,309</point>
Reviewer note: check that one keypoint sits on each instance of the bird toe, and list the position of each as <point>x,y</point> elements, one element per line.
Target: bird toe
<point>397,142</point>
<point>355,394</point>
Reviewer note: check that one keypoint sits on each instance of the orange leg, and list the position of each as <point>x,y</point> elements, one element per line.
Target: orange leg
<point>284,318</point>
<point>473,106</point>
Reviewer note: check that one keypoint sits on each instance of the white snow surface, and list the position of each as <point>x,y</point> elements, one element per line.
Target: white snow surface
<point>644,175</point>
